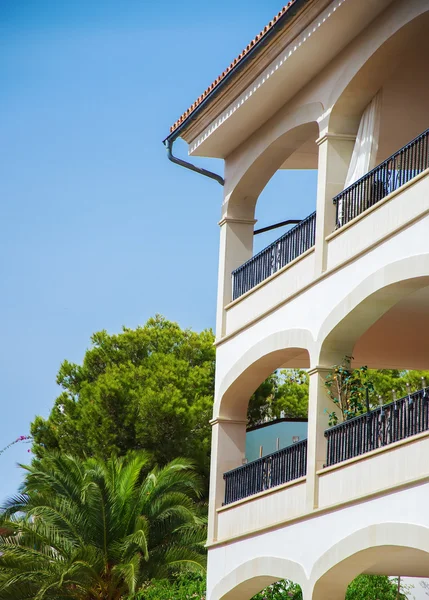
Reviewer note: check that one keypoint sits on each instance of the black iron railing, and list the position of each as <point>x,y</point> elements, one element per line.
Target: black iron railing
<point>267,472</point>
<point>278,254</point>
<point>390,175</point>
<point>384,425</point>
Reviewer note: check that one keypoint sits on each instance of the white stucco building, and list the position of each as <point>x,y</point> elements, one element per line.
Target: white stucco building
<point>340,86</point>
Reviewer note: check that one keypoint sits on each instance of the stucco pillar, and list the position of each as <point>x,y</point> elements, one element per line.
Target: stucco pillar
<point>335,152</point>
<point>236,247</point>
<point>319,405</point>
<point>228,451</point>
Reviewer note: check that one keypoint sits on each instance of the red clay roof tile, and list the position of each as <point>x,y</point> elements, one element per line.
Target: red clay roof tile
<point>234,63</point>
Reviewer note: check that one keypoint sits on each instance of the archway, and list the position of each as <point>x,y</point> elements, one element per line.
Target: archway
<point>284,349</point>
<point>253,576</point>
<point>287,141</point>
<point>247,172</point>
<point>395,68</point>
<point>380,325</point>
<point>379,549</point>
<point>368,312</point>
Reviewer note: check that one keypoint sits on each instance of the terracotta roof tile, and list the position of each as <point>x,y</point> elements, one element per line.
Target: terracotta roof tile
<point>234,63</point>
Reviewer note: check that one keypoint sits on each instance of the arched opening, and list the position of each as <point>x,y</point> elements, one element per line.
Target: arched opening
<point>270,575</point>
<point>273,452</point>
<point>273,172</point>
<point>377,312</point>
<point>380,325</point>
<point>391,549</point>
<point>288,349</point>
<point>290,192</point>
<point>385,105</point>
<point>396,69</point>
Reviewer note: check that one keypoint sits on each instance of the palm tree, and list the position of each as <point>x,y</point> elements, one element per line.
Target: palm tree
<point>90,530</point>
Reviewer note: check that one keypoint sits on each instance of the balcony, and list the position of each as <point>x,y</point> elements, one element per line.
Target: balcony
<point>385,179</point>
<point>265,473</point>
<point>277,255</point>
<point>386,425</point>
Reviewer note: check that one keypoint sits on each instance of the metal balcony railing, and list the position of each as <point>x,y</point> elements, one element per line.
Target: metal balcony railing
<point>380,427</point>
<point>267,472</point>
<point>390,175</point>
<point>278,254</point>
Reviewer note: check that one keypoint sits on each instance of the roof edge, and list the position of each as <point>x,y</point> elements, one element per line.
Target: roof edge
<point>290,10</point>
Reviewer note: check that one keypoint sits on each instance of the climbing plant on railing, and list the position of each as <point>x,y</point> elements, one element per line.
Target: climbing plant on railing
<point>348,389</point>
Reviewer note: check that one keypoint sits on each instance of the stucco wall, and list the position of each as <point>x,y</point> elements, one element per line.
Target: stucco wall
<point>317,543</point>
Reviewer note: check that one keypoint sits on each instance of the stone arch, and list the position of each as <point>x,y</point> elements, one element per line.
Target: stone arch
<point>249,171</point>
<point>368,302</point>
<point>385,48</point>
<point>405,551</point>
<point>251,577</point>
<point>292,347</point>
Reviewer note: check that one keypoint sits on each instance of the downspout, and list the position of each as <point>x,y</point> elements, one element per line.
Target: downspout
<point>282,224</point>
<point>183,163</point>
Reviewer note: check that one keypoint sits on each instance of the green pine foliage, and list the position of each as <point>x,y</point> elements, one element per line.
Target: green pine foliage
<point>151,388</point>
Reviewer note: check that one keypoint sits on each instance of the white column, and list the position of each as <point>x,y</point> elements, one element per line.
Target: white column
<point>236,247</point>
<point>335,152</point>
<point>319,405</point>
<point>228,451</point>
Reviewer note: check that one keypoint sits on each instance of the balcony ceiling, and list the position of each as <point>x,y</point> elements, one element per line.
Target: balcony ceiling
<point>398,339</point>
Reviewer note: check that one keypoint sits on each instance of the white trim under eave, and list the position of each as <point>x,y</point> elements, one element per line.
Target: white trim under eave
<point>270,71</point>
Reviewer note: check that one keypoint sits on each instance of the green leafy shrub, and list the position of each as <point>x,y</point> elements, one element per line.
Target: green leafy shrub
<point>185,586</point>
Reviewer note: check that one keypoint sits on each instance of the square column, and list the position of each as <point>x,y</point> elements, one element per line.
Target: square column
<point>228,451</point>
<point>335,152</point>
<point>236,247</point>
<point>319,405</point>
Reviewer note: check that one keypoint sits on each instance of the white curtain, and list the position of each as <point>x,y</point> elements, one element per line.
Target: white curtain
<point>366,146</point>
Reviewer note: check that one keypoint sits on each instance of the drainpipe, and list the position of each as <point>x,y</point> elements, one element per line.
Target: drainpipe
<point>183,163</point>
<point>282,224</point>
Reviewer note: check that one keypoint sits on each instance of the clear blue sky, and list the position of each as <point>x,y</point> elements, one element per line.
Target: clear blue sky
<point>97,228</point>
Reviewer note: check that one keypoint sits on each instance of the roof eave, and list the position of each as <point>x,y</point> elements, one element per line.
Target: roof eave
<point>277,26</point>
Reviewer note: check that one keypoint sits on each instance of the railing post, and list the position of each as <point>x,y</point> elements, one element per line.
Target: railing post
<point>335,151</point>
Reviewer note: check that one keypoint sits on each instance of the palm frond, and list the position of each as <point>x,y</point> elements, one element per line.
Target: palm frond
<point>90,529</point>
